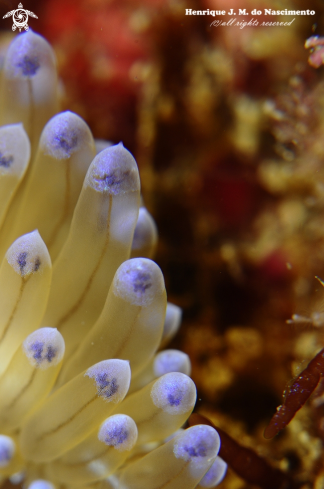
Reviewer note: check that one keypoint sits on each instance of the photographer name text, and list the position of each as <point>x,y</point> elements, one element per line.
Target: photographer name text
<point>243,11</point>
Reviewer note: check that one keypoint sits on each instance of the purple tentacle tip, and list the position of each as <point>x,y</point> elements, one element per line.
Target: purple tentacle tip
<point>6,161</point>
<point>107,387</point>
<point>29,66</point>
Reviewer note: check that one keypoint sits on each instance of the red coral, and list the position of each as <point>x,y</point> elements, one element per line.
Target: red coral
<point>316,45</point>
<point>296,395</point>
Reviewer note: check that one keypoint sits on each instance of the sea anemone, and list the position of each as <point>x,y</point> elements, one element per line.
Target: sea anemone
<point>85,399</point>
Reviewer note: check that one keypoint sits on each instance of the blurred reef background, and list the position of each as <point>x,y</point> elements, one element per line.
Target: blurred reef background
<point>227,126</point>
